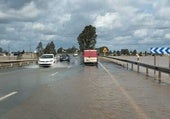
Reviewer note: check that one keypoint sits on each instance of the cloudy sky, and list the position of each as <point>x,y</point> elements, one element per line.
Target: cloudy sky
<point>132,24</point>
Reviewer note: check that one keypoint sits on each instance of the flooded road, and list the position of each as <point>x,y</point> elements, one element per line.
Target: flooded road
<point>75,91</point>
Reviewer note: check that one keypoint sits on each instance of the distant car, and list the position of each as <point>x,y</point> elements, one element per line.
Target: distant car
<point>65,57</point>
<point>75,54</point>
<point>46,60</point>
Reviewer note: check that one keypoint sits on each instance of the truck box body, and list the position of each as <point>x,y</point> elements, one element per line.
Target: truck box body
<point>90,56</point>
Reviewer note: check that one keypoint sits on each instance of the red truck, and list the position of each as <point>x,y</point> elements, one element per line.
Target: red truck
<point>90,57</point>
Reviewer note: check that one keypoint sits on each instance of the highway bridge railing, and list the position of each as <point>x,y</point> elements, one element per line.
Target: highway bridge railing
<point>147,66</point>
<point>16,63</point>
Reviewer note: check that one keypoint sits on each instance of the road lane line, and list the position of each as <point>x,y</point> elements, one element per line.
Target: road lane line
<point>54,74</point>
<point>136,107</point>
<point>8,95</point>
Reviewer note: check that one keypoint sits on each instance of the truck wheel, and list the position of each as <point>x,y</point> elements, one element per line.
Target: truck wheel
<point>97,64</point>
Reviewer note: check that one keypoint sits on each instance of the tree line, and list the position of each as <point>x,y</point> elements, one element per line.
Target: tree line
<point>50,49</point>
<point>2,51</point>
<point>126,52</point>
<point>86,40</point>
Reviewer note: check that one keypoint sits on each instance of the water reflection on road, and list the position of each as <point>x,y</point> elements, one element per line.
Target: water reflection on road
<point>75,91</point>
<point>75,61</point>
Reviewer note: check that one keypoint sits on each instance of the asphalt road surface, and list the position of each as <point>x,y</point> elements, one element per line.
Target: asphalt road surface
<point>75,91</point>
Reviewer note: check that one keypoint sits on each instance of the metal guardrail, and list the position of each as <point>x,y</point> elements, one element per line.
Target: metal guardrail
<point>13,63</point>
<point>147,66</point>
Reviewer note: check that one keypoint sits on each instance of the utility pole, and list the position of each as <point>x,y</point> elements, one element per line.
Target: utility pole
<point>8,52</point>
<point>30,49</point>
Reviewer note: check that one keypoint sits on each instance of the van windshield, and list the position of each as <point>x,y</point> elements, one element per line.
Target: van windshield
<point>47,56</point>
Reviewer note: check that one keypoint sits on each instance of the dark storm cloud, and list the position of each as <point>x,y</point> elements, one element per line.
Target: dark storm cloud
<point>18,4</point>
<point>15,4</point>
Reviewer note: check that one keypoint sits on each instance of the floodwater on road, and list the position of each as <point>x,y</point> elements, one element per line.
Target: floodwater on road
<point>89,92</point>
<point>162,61</point>
<point>148,98</point>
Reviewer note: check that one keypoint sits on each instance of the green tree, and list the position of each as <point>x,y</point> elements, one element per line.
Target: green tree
<point>39,49</point>
<point>47,49</point>
<point>125,52</point>
<point>60,50</point>
<point>114,53</point>
<point>50,48</point>
<point>134,53</point>
<point>23,52</point>
<point>118,53</point>
<point>140,53</point>
<point>146,53</point>
<point>110,52</point>
<point>71,50</point>
<point>87,39</point>
<point>1,50</point>
<point>74,49</point>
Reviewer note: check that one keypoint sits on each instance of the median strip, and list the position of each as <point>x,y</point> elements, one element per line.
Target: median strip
<point>8,95</point>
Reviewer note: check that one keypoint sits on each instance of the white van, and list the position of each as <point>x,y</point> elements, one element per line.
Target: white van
<point>46,60</point>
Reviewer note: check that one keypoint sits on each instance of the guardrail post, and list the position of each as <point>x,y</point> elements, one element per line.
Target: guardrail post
<point>138,68</point>
<point>20,64</point>
<point>147,73</point>
<point>154,65</point>
<point>155,75</point>
<point>159,76</point>
<point>132,67</point>
<point>154,68</point>
<point>11,65</point>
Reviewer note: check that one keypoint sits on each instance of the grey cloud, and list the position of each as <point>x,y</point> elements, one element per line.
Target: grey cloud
<point>18,4</point>
<point>15,4</point>
<point>27,12</point>
<point>62,22</point>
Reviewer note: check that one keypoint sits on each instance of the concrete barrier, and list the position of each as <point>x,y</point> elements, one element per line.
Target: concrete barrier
<point>16,63</point>
<point>2,58</point>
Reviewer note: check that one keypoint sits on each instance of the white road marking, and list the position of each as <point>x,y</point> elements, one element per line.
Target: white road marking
<point>8,95</point>
<point>69,67</point>
<point>54,74</point>
<point>136,107</point>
